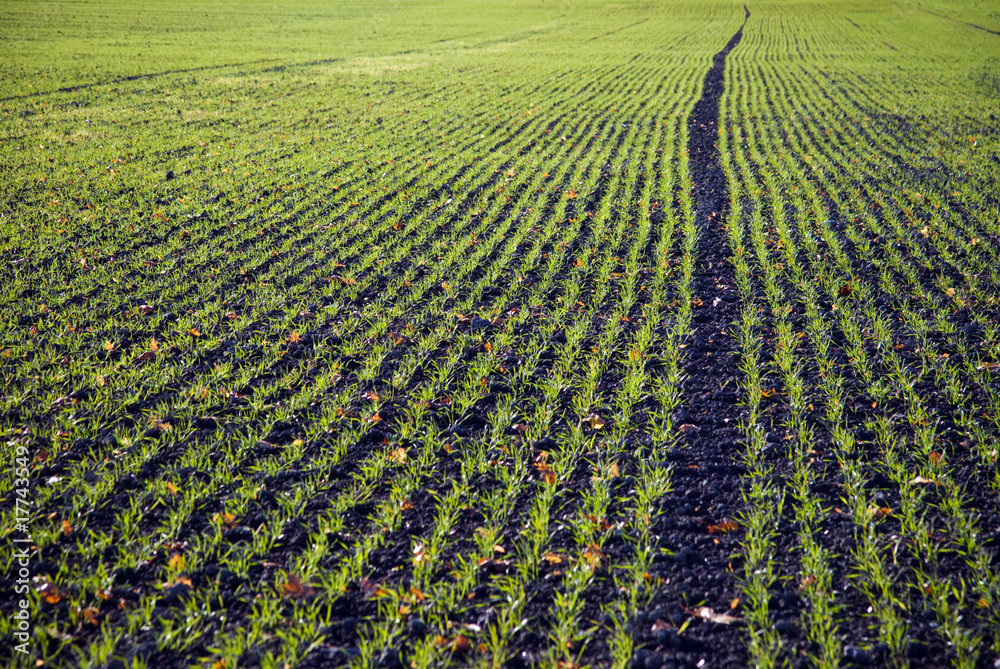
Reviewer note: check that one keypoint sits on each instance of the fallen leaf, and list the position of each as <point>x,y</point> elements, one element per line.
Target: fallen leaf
<point>553,558</point>
<point>90,613</point>
<point>66,527</point>
<point>550,478</point>
<point>919,480</point>
<point>195,332</point>
<point>935,457</point>
<point>50,593</point>
<point>688,427</point>
<point>148,356</point>
<point>226,519</point>
<point>398,455</point>
<point>735,603</point>
<point>722,528</point>
<point>171,487</point>
<point>845,290</point>
<point>881,512</point>
<point>293,587</point>
<point>176,562</point>
<point>707,613</point>
<point>595,421</point>
<point>613,470</point>
<point>593,555</point>
<point>661,625</point>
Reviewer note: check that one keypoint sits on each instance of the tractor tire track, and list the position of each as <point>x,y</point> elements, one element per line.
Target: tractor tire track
<point>707,421</point>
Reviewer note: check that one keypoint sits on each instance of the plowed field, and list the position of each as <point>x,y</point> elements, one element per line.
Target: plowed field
<point>500,334</point>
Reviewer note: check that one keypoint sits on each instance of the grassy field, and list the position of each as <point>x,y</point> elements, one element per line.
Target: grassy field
<point>500,334</point>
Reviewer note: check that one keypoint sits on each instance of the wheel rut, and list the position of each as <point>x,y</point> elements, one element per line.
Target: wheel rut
<point>707,480</point>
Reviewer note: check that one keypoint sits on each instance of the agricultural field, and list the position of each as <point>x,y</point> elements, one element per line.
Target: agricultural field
<point>484,333</point>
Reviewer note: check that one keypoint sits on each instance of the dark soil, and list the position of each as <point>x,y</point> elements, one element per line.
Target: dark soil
<point>706,476</point>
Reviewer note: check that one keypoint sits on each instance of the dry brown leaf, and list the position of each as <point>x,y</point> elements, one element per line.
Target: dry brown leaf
<point>920,480</point>
<point>722,528</point>
<point>593,555</point>
<point>195,332</point>
<point>553,558</point>
<point>688,427</point>
<point>881,512</point>
<point>50,593</point>
<point>661,625</point>
<point>595,421</point>
<point>707,613</point>
<point>226,519</point>
<point>398,455</point>
<point>66,527</point>
<point>293,587</point>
